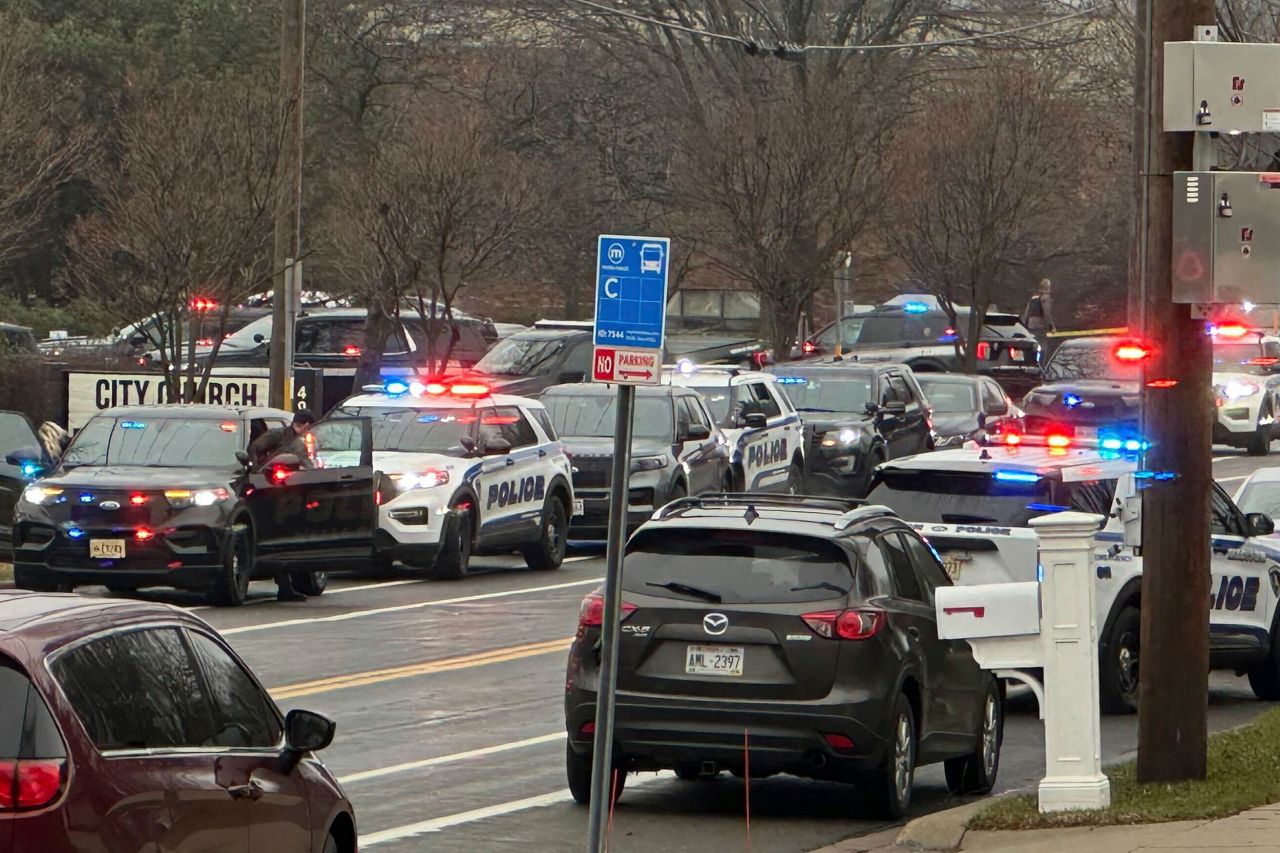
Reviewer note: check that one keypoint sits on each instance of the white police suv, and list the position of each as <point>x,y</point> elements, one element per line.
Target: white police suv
<point>473,473</point>
<point>765,435</point>
<point>1246,386</point>
<point>973,505</point>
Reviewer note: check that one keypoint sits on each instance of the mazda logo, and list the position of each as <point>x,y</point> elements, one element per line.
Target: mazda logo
<point>109,505</point>
<point>715,623</point>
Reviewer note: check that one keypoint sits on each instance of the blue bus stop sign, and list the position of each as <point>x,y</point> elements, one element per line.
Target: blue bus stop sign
<point>631,292</point>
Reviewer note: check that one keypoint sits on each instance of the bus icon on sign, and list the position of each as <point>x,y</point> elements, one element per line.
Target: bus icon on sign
<point>651,258</point>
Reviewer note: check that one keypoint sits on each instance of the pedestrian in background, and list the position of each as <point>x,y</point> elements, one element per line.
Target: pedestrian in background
<point>1038,316</point>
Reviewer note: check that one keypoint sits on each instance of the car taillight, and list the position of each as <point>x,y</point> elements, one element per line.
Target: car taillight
<point>983,350</point>
<point>808,348</point>
<point>845,624</point>
<point>591,613</point>
<point>29,783</point>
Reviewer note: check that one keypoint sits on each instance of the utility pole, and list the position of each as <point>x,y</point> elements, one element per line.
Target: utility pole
<point>1174,642</point>
<point>287,250</point>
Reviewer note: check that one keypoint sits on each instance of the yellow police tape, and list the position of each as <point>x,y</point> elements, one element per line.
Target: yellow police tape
<point>1084,333</point>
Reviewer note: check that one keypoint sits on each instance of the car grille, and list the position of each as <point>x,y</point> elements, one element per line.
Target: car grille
<point>592,472</point>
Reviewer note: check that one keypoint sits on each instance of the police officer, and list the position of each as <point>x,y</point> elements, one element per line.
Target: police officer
<point>272,443</point>
<point>1038,316</point>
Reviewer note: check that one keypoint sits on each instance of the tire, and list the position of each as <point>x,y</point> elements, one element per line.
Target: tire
<point>310,583</point>
<point>1260,442</point>
<point>795,479</point>
<point>1118,667</point>
<point>578,770</point>
<point>330,844</point>
<point>889,787</point>
<point>976,773</point>
<point>553,532</point>
<point>24,578</point>
<point>1265,677</point>
<point>455,555</point>
<point>232,585</point>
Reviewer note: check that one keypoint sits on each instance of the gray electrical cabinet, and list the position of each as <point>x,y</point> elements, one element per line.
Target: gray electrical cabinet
<point>1226,237</point>
<point>1224,86</point>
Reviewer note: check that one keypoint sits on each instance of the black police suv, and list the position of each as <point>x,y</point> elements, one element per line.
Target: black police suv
<point>777,634</point>
<point>1086,388</point>
<point>855,417</point>
<point>529,362</point>
<point>676,450</point>
<point>164,496</point>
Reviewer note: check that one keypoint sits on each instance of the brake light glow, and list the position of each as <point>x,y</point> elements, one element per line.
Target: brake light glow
<point>1012,439</point>
<point>591,613</point>
<point>1229,330</point>
<point>587,729</point>
<point>1130,351</point>
<point>808,347</point>
<point>845,624</point>
<point>351,349</point>
<point>142,534</point>
<point>1263,361</point>
<point>138,499</point>
<point>29,783</point>
<point>280,473</point>
<point>1162,383</point>
<point>983,350</point>
<point>838,741</point>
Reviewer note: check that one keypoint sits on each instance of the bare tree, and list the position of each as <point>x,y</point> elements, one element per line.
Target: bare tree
<point>184,214</point>
<point>991,189</point>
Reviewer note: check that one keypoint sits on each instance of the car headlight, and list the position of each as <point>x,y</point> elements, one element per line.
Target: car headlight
<point>1237,388</point>
<point>428,479</point>
<point>184,498</point>
<point>648,463</point>
<point>42,495</point>
<point>844,437</point>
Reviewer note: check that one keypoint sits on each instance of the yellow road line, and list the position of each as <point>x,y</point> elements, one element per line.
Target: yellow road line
<point>377,676</point>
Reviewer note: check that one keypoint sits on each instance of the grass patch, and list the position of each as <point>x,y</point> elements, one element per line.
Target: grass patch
<point>1244,772</point>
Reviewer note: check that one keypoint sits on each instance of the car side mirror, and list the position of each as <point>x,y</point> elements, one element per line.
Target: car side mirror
<point>304,731</point>
<point>870,408</point>
<point>1259,524</point>
<point>29,459</point>
<point>497,447</point>
<point>243,458</point>
<point>755,420</point>
<point>698,432</point>
<point>258,338</point>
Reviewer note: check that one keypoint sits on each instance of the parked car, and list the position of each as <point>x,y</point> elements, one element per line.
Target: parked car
<point>967,407</point>
<point>16,437</point>
<point>779,634</point>
<point>855,417</point>
<point>17,340</point>
<point>1260,493</point>
<point>1086,388</point>
<point>527,363</point>
<point>133,726</point>
<point>1246,385</point>
<point>676,450</point>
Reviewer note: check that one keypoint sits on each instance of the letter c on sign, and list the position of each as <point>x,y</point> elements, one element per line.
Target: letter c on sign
<point>611,282</point>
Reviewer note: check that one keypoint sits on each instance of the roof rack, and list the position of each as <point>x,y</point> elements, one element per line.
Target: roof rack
<point>863,513</point>
<point>723,500</point>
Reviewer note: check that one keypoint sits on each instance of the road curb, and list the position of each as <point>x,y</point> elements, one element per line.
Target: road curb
<point>937,832</point>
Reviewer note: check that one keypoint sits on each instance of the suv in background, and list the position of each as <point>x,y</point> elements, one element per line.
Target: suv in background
<point>802,627</point>
<point>1086,388</point>
<point>17,441</point>
<point>529,362</point>
<point>1246,384</point>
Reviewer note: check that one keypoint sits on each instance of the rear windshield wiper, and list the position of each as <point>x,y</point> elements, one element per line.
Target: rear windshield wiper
<point>812,409</point>
<point>962,518</point>
<point>685,589</point>
<point>823,585</point>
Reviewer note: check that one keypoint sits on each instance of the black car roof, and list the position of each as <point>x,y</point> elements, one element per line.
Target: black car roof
<point>822,516</point>
<point>57,619</point>
<point>202,411</point>
<point>842,366</point>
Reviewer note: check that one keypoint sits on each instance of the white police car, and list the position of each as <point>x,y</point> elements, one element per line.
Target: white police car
<point>973,505</point>
<point>474,473</point>
<point>764,431</point>
<point>1246,385</point>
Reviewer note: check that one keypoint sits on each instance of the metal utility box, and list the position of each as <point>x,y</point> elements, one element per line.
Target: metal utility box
<point>1226,237</point>
<point>1222,86</point>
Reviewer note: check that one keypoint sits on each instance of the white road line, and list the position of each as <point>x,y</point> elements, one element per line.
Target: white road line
<point>1229,479</point>
<point>449,759</point>
<point>498,810</point>
<point>378,611</point>
<point>1225,458</point>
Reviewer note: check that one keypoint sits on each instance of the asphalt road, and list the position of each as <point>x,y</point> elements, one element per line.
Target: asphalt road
<point>448,698</point>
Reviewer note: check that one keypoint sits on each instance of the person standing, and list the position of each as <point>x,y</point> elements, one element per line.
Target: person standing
<point>1038,316</point>
<point>291,438</point>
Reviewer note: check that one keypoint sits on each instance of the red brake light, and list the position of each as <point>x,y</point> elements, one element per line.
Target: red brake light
<point>137,499</point>
<point>204,342</point>
<point>202,304</point>
<point>29,783</point>
<point>1131,351</point>
<point>142,534</point>
<point>845,624</point>
<point>808,347</point>
<point>591,613</point>
<point>351,349</point>
<point>1162,383</point>
<point>1229,330</point>
<point>983,350</point>
<point>838,741</point>
<point>1263,361</point>
<point>280,473</point>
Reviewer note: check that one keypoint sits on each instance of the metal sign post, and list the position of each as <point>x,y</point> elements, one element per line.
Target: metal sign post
<point>630,325</point>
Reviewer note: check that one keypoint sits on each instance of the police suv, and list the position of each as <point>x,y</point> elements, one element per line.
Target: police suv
<point>764,431</point>
<point>974,505</point>
<point>473,473</point>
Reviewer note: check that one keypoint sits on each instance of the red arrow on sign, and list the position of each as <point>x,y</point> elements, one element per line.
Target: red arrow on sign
<point>626,374</point>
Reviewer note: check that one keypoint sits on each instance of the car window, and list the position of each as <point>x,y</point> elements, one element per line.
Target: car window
<point>578,360</point>
<point>344,337</point>
<point>508,423</point>
<point>1090,358</point>
<point>768,405</point>
<point>587,415</point>
<point>993,399</point>
<point>953,497</point>
<point>161,442</point>
<point>23,710</point>
<point>137,690</point>
<point>950,395</point>
<point>905,582</point>
<point>683,418</point>
<point>544,420</point>
<point>245,717</point>
<point>720,399</point>
<point>15,433</point>
<point>900,389</point>
<point>928,567</point>
<point>1261,496</point>
<point>697,415</point>
<point>1093,496</point>
<point>879,581</point>
<point>1222,514</point>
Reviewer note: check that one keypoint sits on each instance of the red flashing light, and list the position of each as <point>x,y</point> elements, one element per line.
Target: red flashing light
<point>229,426</point>
<point>204,342</point>
<point>1057,440</point>
<point>29,783</point>
<point>499,420</point>
<point>469,389</point>
<point>138,499</point>
<point>351,349</point>
<point>1162,383</point>
<point>1230,330</point>
<point>983,350</point>
<point>1012,439</point>
<point>591,613</point>
<point>808,348</point>
<point>948,332</point>
<point>845,624</point>
<point>1131,351</point>
<point>1263,361</point>
<point>142,534</point>
<point>436,388</point>
<point>280,473</point>
<point>203,304</point>
<point>839,742</point>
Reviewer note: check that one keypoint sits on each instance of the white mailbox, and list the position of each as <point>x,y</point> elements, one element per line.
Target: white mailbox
<point>1001,622</point>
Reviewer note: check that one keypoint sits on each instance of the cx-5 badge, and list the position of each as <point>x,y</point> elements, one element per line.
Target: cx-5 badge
<point>715,623</point>
<point>109,505</point>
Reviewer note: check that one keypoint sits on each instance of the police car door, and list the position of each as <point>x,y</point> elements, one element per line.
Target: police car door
<point>322,514</point>
<point>512,484</point>
<point>1245,580</point>
<point>767,452</point>
<point>699,450</point>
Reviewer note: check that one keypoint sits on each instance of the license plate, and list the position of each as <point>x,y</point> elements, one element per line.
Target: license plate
<point>714,660</point>
<point>106,549</point>
<point>953,566</point>
<point>1016,354</point>
<point>579,506</point>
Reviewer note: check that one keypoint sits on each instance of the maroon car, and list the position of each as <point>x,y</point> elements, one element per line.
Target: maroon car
<point>129,726</point>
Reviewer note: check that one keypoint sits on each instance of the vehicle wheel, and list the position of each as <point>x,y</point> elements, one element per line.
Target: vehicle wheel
<point>1118,668</point>
<point>455,555</point>
<point>24,578</point>
<point>1260,442</point>
<point>232,585</point>
<point>552,538</point>
<point>310,583</point>
<point>890,786</point>
<point>795,479</point>
<point>976,773</point>
<point>578,769</point>
<point>330,844</point>
<point>1265,677</point>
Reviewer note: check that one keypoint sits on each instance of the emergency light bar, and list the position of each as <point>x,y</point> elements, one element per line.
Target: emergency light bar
<point>399,387</point>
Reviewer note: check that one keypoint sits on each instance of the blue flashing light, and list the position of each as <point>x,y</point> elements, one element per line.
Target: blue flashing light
<point>915,307</point>
<point>1048,508</point>
<point>428,419</point>
<point>133,425</point>
<point>1071,400</point>
<point>395,387</point>
<point>1039,572</point>
<point>1135,445</point>
<point>792,380</point>
<point>1111,444</point>
<point>1016,477</point>
<point>1156,475</point>
<point>86,498</point>
<point>75,533</point>
<point>30,469</point>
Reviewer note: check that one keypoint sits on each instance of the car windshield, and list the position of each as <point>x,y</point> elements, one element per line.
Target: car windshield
<point>428,430</point>
<point>948,395</point>
<point>833,391</point>
<point>1261,496</point>
<point>719,400</point>
<point>1242,357</point>
<point>1089,359</point>
<point>737,566</point>
<point>156,442</point>
<point>519,356</point>
<point>592,416</point>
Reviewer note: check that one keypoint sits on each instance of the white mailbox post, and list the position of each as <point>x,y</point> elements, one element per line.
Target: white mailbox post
<point>1051,625</point>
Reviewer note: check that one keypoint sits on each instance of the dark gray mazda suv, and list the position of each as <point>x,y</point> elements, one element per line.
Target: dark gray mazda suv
<point>799,631</point>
